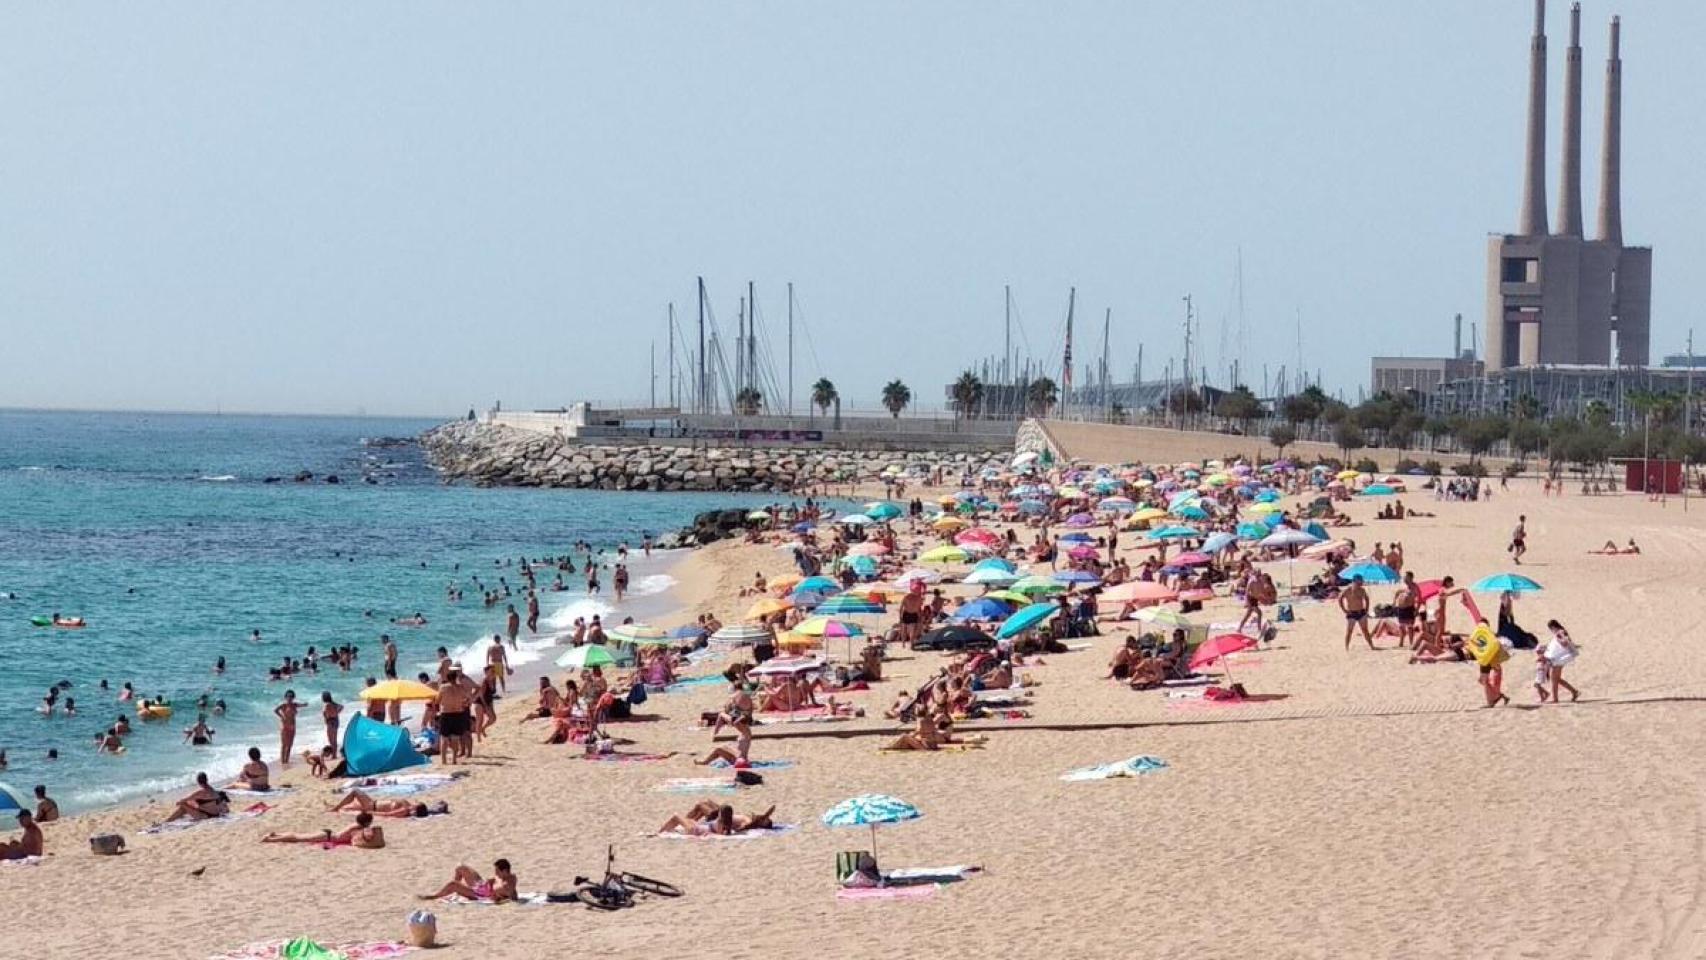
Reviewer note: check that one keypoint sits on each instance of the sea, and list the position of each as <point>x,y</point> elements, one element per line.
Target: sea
<point>175,536</point>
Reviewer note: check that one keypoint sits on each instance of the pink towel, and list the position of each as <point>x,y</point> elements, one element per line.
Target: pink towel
<point>626,757</point>
<point>921,892</point>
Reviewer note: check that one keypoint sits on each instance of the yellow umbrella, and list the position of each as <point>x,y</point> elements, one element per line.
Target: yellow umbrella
<point>1264,508</point>
<point>947,501</point>
<point>1149,513</point>
<point>399,690</point>
<point>948,523</point>
<point>1009,596</point>
<point>797,641</point>
<point>944,554</point>
<point>784,581</point>
<point>765,607</point>
<point>1348,474</point>
<point>1217,479</point>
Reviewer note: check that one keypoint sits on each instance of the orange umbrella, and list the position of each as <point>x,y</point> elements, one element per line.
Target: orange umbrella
<point>766,607</point>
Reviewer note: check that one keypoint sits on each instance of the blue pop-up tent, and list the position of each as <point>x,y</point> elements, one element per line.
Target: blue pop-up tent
<point>371,747</point>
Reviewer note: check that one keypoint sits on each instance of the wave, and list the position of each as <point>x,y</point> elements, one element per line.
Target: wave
<point>221,478</point>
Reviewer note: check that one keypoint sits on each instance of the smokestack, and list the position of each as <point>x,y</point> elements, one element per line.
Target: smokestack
<point>1457,340</point>
<point>1532,223</point>
<point>1570,169</point>
<point>1611,149</point>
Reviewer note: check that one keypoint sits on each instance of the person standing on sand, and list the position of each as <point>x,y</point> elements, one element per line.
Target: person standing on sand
<point>286,713</point>
<point>329,711</point>
<point>1519,540</point>
<point>1560,652</point>
<point>512,625</point>
<point>455,696</point>
<point>1354,602</point>
<point>1405,605</point>
<point>912,614</point>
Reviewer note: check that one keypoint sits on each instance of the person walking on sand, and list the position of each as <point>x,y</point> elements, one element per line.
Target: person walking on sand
<point>1353,600</point>
<point>286,714</point>
<point>1560,652</point>
<point>1519,540</point>
<point>329,712</point>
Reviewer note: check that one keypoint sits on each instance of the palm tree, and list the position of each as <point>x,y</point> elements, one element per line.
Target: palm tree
<point>896,396</point>
<point>1041,395</point>
<point>967,393</point>
<point>824,395</point>
<point>749,401</point>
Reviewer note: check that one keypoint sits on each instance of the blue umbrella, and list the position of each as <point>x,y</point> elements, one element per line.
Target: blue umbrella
<point>982,608</point>
<point>1077,576</point>
<point>1267,496</point>
<point>1378,490</point>
<point>689,632</point>
<point>1252,531</point>
<point>11,801</point>
<point>1317,531</point>
<point>863,566</point>
<point>1500,582</point>
<point>804,526</point>
<point>1174,533</point>
<point>817,585</point>
<point>1191,513</point>
<point>995,563</point>
<point>1025,619</point>
<point>1273,519</point>
<point>843,604</point>
<point>1032,506</point>
<point>869,810</point>
<point>882,511</point>
<point>1077,536</point>
<point>1370,573</point>
<point>1218,542</point>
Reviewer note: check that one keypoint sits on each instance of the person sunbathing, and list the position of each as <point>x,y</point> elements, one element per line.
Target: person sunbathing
<point>924,736</point>
<point>387,807</point>
<point>362,834</point>
<point>1611,549</point>
<point>203,803</point>
<point>469,885</point>
<point>254,776</point>
<point>708,818</point>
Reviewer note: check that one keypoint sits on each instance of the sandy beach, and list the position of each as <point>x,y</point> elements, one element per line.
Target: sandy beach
<point>1377,809</point>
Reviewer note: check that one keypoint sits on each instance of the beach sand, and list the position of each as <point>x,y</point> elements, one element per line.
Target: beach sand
<point>1376,811</point>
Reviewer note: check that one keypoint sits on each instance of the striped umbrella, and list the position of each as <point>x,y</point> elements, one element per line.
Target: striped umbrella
<point>641,634</point>
<point>736,634</point>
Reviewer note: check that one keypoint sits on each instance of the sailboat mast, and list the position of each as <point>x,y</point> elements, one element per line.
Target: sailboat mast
<point>751,337</point>
<point>672,400</point>
<point>790,348</point>
<point>1066,360</point>
<point>699,400</point>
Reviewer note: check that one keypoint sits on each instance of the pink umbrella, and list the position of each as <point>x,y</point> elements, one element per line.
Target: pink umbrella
<point>980,535</point>
<point>1215,648</point>
<point>1138,591</point>
<point>1082,553</point>
<point>1080,520</point>
<point>1192,559</point>
<point>869,548</point>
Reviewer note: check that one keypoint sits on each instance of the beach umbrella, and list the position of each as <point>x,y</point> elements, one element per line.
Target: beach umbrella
<point>1139,591</point>
<point>1008,596</point>
<point>1084,577</point>
<point>11,801</point>
<point>1288,537</point>
<point>982,608</point>
<point>1378,490</point>
<point>1174,533</point>
<point>804,526</point>
<point>919,575</point>
<point>817,585</point>
<point>1149,513</point>
<point>993,576</point>
<point>589,655</point>
<point>948,524</point>
<point>1192,559</point>
<point>1163,617</point>
<point>398,690</point>
<point>1219,647</point>
<point>1262,509</point>
<point>1191,513</point>
<point>1080,520</point>
<point>870,810</point>
<point>1500,582</point>
<point>847,604</point>
<point>736,634</point>
<point>1116,504</point>
<point>786,666</point>
<point>1252,531</point>
<point>828,627</point>
<point>1370,573</point>
<point>689,631</point>
<point>765,607</point>
<point>882,511</point>
<point>869,548</point>
<point>1084,552</point>
<point>995,563</point>
<point>1218,542</point>
<point>854,520</point>
<point>1035,585</point>
<point>783,581</point>
<point>1267,496</point>
<point>1077,536</point>
<point>980,537</point>
<point>759,516</point>
<point>642,634</point>
<point>944,554</point>
<point>1316,530</point>
<point>861,565</point>
<point>1347,474</point>
<point>1032,507</point>
<point>1025,619</point>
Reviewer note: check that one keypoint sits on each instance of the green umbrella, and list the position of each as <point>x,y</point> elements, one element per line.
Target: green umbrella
<point>590,655</point>
<point>642,634</point>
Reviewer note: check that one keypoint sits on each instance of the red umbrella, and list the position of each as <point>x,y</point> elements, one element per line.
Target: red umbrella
<point>1192,559</point>
<point>1214,648</point>
<point>1428,589</point>
<point>982,535</point>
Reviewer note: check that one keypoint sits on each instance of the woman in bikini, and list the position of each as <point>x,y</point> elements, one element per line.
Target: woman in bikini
<point>737,713</point>
<point>363,834</point>
<point>709,818</point>
<point>469,885</point>
<point>364,803</point>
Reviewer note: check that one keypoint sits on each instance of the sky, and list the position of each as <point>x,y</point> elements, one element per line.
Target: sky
<point>422,207</point>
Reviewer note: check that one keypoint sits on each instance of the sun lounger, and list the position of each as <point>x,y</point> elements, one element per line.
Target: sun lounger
<point>917,876</point>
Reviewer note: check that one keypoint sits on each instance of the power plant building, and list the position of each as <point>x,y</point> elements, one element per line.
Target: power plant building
<point>1554,296</point>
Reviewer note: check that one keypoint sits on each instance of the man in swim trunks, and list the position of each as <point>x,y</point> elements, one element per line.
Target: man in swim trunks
<point>1353,600</point>
<point>912,614</point>
<point>28,845</point>
<point>1406,603</point>
<point>469,885</point>
<point>363,834</point>
<point>455,726</point>
<point>1519,539</point>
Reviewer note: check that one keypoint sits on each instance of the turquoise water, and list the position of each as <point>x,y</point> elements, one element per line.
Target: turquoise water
<point>162,532</point>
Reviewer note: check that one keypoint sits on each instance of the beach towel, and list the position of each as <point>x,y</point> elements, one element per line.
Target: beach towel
<point>688,683</point>
<point>1134,767</point>
<point>798,716</point>
<point>402,785</point>
<point>22,862</point>
<point>626,757</point>
<point>916,876</point>
<point>781,829</point>
<point>756,764</point>
<point>177,826</point>
<point>944,748</point>
<point>274,792</point>
<point>921,892</point>
<point>522,899</point>
<point>275,950</point>
<point>697,785</point>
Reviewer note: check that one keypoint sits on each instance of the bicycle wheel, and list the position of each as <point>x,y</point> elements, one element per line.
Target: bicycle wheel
<point>648,885</point>
<point>600,897</point>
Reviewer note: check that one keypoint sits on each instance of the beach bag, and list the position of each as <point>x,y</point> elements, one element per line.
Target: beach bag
<point>1285,615</point>
<point>422,930</point>
<point>636,694</point>
<point>748,778</point>
<point>107,844</point>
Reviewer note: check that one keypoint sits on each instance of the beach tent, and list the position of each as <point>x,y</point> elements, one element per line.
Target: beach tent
<point>371,747</point>
<point>11,801</point>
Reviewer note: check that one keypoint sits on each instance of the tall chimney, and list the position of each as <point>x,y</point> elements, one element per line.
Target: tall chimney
<point>1570,169</point>
<point>1532,223</point>
<point>1611,148</point>
<point>1457,340</point>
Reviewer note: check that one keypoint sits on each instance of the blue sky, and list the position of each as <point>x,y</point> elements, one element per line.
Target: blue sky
<point>418,207</point>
